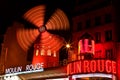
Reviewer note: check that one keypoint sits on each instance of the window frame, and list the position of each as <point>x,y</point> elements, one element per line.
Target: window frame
<point>98,37</point>
<point>108,35</point>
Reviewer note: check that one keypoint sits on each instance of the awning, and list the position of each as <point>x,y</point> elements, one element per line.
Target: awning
<point>47,73</point>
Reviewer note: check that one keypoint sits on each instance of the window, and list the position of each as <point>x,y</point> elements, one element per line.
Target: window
<point>108,35</point>
<point>54,54</point>
<point>98,37</point>
<point>97,21</point>
<point>109,54</point>
<point>108,18</point>
<point>79,26</point>
<point>37,52</point>
<point>88,23</point>
<point>42,52</point>
<point>49,52</point>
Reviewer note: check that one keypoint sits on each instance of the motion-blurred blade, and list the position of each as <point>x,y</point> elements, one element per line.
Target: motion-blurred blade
<point>50,41</point>
<point>58,21</point>
<point>26,37</point>
<point>36,15</point>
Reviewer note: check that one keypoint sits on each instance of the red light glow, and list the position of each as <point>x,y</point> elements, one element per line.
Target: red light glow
<point>88,66</point>
<point>67,45</point>
<point>86,46</point>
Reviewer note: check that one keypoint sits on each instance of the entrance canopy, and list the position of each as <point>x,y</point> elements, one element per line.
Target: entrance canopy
<point>94,75</point>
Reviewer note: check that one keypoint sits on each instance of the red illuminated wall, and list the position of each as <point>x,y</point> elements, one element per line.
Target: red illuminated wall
<point>92,30</point>
<point>104,45</point>
<point>118,61</point>
<point>48,60</point>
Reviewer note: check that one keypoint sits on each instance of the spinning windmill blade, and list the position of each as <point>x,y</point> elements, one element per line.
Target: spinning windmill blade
<point>57,21</point>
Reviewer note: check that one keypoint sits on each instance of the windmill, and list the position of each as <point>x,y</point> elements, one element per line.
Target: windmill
<point>45,43</point>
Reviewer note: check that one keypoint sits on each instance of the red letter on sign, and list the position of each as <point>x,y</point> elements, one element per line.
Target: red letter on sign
<point>100,65</point>
<point>71,67</point>
<point>93,66</point>
<point>113,67</point>
<point>86,66</point>
<point>108,66</point>
<point>68,69</point>
<point>78,67</point>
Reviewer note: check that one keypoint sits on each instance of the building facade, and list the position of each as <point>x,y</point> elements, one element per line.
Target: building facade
<point>94,53</point>
<point>96,19</point>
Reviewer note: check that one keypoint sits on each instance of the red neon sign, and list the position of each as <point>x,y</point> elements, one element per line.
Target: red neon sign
<point>86,46</point>
<point>91,66</point>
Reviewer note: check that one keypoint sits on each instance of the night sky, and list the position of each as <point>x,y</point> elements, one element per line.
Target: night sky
<point>13,10</point>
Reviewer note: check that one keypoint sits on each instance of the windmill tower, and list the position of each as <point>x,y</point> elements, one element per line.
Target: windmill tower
<point>46,44</point>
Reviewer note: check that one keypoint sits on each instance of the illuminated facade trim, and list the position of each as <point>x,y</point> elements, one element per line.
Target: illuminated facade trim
<point>102,75</point>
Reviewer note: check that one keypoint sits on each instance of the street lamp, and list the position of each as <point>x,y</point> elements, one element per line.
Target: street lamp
<point>67,46</point>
